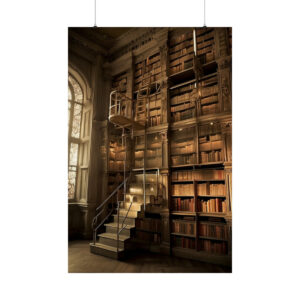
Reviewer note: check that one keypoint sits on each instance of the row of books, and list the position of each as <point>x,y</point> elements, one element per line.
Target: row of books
<point>149,224</point>
<point>139,154</point>
<point>148,61</point>
<point>154,112</point>
<point>181,60</point>
<point>152,69</point>
<point>181,52</point>
<point>155,103</point>
<point>207,57</point>
<point>212,205</point>
<point>181,67</point>
<point>182,148</point>
<point>153,152</point>
<point>183,204</point>
<point>180,38</point>
<point>141,82</point>
<point>183,159</point>
<point>187,96</point>
<point>210,138</point>
<point>216,247</point>
<point>209,146</point>
<point>148,237</point>
<point>183,115</point>
<point>205,47</point>
<point>183,227</point>
<point>207,101</point>
<point>116,165</point>
<point>153,162</point>
<point>119,83</point>
<point>212,156</point>
<point>207,91</point>
<point>180,46</point>
<point>209,129</point>
<point>205,174</point>
<point>216,189</point>
<point>183,106</point>
<point>154,121</point>
<point>182,189</point>
<point>117,156</point>
<point>215,231</point>
<point>116,146</point>
<point>209,109</point>
<point>204,34</point>
<point>184,242</point>
<point>139,164</point>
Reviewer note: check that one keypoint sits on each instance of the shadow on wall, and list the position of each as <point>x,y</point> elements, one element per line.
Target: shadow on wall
<point>76,223</point>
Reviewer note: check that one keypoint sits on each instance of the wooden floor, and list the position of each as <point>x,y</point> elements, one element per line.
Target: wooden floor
<point>82,261</point>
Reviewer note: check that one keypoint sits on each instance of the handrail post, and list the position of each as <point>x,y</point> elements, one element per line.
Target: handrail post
<point>118,207</point>
<point>144,188</point>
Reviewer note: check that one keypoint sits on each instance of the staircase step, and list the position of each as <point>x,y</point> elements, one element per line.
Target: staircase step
<point>150,190</point>
<point>138,198</point>
<point>110,239</point>
<point>134,207</point>
<point>148,177</point>
<point>129,220</point>
<point>131,214</point>
<point>112,228</point>
<point>105,250</point>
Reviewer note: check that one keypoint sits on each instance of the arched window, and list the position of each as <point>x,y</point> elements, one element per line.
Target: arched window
<point>75,101</point>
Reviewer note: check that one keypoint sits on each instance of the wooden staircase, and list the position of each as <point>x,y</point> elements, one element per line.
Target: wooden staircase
<point>132,208</point>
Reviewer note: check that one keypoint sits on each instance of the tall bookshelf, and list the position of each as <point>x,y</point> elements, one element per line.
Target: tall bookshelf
<point>181,91</point>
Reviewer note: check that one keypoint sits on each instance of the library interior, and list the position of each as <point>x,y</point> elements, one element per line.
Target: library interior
<point>150,149</point>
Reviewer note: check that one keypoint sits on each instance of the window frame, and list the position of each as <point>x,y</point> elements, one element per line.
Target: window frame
<point>71,139</point>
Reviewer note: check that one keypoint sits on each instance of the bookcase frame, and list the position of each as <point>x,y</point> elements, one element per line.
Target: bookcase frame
<point>202,86</point>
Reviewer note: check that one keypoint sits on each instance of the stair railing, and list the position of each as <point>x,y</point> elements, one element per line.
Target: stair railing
<point>95,225</point>
<point>117,101</point>
<point>122,226</point>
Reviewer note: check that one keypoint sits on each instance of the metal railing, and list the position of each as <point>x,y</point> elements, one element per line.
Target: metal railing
<point>95,224</point>
<point>122,226</point>
<point>119,104</point>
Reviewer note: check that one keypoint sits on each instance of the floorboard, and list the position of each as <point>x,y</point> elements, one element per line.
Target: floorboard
<point>82,261</point>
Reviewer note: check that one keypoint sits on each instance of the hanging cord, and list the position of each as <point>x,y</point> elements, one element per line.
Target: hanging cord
<point>203,13</point>
<point>95,25</point>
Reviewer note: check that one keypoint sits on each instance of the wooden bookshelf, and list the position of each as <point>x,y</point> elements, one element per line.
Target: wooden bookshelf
<point>119,82</point>
<point>198,208</point>
<point>154,151</point>
<point>183,99</point>
<point>183,149</point>
<point>181,52</point>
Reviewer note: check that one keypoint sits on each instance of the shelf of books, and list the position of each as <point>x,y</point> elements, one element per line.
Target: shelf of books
<point>119,82</point>
<point>208,102</point>
<point>211,144</point>
<point>183,150</point>
<point>198,211</point>
<point>147,97</point>
<point>117,155</point>
<point>139,152</point>
<point>147,71</point>
<point>181,56</point>
<point>148,231</point>
<point>183,99</point>
<point>154,151</point>
<point>205,41</point>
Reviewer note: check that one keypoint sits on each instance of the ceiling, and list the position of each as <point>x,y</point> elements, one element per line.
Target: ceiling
<point>103,36</point>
